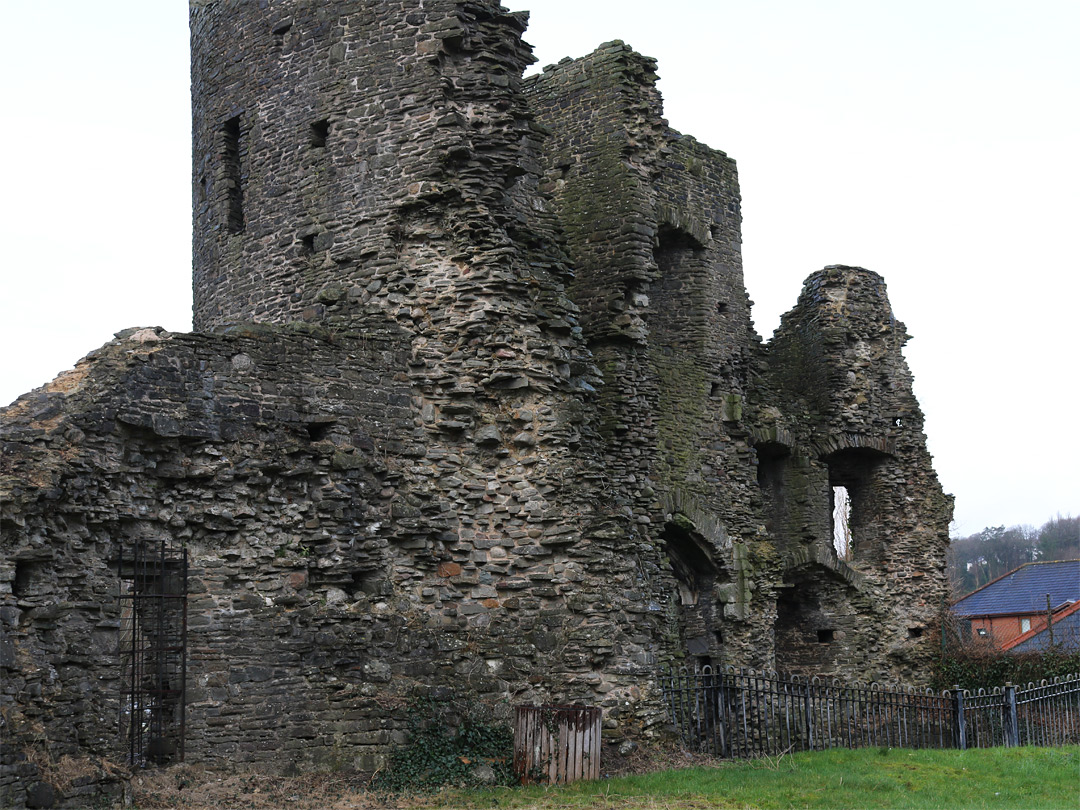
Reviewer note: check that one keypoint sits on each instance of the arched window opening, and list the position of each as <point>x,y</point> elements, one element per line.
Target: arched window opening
<point>696,573</point>
<point>841,522</point>
<point>693,568</point>
<point>855,503</point>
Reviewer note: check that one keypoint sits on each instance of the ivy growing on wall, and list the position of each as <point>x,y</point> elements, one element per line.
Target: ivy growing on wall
<point>450,743</point>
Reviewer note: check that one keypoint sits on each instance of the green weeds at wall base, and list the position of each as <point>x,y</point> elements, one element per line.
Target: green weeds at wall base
<point>449,746</point>
<point>972,669</point>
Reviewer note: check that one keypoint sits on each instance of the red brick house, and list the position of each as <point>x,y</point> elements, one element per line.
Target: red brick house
<point>1064,633</point>
<point>1014,607</point>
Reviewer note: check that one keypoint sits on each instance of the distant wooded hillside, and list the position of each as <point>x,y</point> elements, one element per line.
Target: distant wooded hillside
<point>984,556</point>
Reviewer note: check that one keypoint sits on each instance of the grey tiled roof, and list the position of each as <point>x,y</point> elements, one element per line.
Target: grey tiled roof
<point>1024,590</point>
<point>1066,634</point>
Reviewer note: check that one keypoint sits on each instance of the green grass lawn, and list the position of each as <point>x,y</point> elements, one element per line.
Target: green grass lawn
<point>1021,778</point>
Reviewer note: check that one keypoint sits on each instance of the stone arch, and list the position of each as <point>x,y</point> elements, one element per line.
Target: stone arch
<point>858,471</point>
<point>821,612</point>
<point>838,442</point>
<point>701,582</point>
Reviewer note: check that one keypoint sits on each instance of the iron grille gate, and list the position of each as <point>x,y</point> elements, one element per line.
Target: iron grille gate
<point>153,655</point>
<point>743,713</point>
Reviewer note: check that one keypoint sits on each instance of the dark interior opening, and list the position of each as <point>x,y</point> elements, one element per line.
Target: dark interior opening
<point>915,632</point>
<point>825,636</point>
<point>771,459</point>
<point>307,244</point>
<point>24,577</point>
<point>319,131</point>
<point>670,238</point>
<point>696,573</point>
<point>692,565</point>
<point>233,163</point>
<point>317,431</point>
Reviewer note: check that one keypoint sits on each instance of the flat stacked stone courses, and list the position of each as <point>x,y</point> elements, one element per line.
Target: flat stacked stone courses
<point>843,336</point>
<point>670,355</point>
<point>448,461</point>
<point>469,495</point>
<point>242,481</point>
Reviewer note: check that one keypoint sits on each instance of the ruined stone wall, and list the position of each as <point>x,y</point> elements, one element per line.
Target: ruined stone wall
<point>331,580</point>
<point>848,417</point>
<point>273,460</point>
<point>347,550</point>
<point>323,137</point>
<point>485,412</point>
<point>652,228</point>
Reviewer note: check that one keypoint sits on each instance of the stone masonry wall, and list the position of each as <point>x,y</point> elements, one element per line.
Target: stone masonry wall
<point>850,418</point>
<point>475,405</point>
<point>652,228</point>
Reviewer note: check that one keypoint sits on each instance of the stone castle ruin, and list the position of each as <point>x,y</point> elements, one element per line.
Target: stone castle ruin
<point>473,401</point>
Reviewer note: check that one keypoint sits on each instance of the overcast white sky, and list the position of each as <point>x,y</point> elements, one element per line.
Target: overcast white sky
<point>935,142</point>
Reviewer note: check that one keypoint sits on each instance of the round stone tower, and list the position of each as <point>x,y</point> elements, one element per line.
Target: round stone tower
<point>316,126</point>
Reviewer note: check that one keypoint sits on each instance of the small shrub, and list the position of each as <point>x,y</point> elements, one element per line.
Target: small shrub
<point>450,744</point>
<point>973,664</point>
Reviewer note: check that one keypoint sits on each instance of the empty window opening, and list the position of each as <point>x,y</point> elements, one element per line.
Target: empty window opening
<point>915,632</point>
<point>841,522</point>
<point>280,30</point>
<point>825,636</point>
<point>24,577</point>
<point>691,563</point>
<point>318,133</point>
<point>232,158</point>
<point>317,431</point>
<point>856,505</point>
<point>898,421</point>
<point>772,457</point>
<point>696,574</point>
<point>715,390</point>
<point>673,247</point>
<point>721,307</point>
<point>307,244</point>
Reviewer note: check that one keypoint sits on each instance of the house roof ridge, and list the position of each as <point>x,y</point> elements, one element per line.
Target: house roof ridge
<point>1054,619</point>
<point>1010,573</point>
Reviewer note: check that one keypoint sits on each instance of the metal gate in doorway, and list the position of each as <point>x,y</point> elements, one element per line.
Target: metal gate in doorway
<point>153,651</point>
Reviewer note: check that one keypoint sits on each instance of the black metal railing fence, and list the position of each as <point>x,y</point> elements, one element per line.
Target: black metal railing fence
<point>743,713</point>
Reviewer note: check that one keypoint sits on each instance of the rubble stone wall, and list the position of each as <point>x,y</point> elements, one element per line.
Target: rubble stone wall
<point>475,405</point>
<point>651,219</point>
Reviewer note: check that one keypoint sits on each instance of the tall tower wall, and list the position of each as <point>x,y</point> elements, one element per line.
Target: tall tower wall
<point>318,128</point>
<point>652,225</point>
